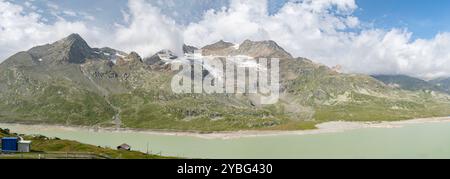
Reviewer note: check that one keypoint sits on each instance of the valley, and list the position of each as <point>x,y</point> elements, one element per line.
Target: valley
<point>70,83</point>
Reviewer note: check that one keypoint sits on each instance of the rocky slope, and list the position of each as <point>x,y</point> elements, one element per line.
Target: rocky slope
<point>443,83</point>
<point>247,48</point>
<point>70,83</point>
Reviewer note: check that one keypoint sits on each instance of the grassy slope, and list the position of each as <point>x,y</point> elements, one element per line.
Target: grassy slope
<point>381,110</point>
<point>358,97</point>
<point>41,144</point>
<point>191,113</point>
<point>150,103</point>
<point>29,98</point>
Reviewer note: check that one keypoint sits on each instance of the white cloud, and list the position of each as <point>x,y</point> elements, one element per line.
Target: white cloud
<point>70,13</point>
<point>52,6</point>
<point>148,31</point>
<point>20,30</point>
<point>323,30</point>
<point>87,16</point>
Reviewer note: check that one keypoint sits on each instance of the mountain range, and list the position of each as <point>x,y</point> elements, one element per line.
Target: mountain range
<point>70,83</point>
<point>415,84</point>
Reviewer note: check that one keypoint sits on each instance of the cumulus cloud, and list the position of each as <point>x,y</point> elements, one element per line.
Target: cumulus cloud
<point>148,30</point>
<point>20,30</point>
<point>326,31</point>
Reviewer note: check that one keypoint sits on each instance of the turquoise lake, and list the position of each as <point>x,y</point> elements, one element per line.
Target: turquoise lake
<point>428,140</point>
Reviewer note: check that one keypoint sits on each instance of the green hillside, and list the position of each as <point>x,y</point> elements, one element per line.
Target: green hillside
<point>57,148</point>
<point>70,83</point>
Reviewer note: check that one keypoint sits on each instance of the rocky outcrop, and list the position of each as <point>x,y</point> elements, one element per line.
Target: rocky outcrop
<point>72,49</point>
<point>263,49</point>
<point>187,49</point>
<point>256,49</point>
<point>220,48</point>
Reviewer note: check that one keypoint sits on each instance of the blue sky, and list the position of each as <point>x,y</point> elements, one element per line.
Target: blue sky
<point>423,18</point>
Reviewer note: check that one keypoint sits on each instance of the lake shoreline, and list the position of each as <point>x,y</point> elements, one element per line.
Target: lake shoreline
<point>327,127</point>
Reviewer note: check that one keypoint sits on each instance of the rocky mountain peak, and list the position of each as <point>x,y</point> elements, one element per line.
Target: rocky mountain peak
<point>74,38</point>
<point>72,49</point>
<point>75,48</point>
<point>220,48</point>
<point>134,56</point>
<point>256,49</point>
<point>131,58</point>
<point>160,58</point>
<point>266,48</point>
<point>189,49</point>
<point>218,45</point>
<point>76,43</point>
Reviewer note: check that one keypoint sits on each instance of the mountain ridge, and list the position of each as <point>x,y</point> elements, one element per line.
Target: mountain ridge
<point>409,83</point>
<point>442,83</point>
<point>105,87</point>
<point>255,49</point>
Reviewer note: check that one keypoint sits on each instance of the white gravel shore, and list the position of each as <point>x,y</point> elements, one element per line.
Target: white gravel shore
<point>329,127</point>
